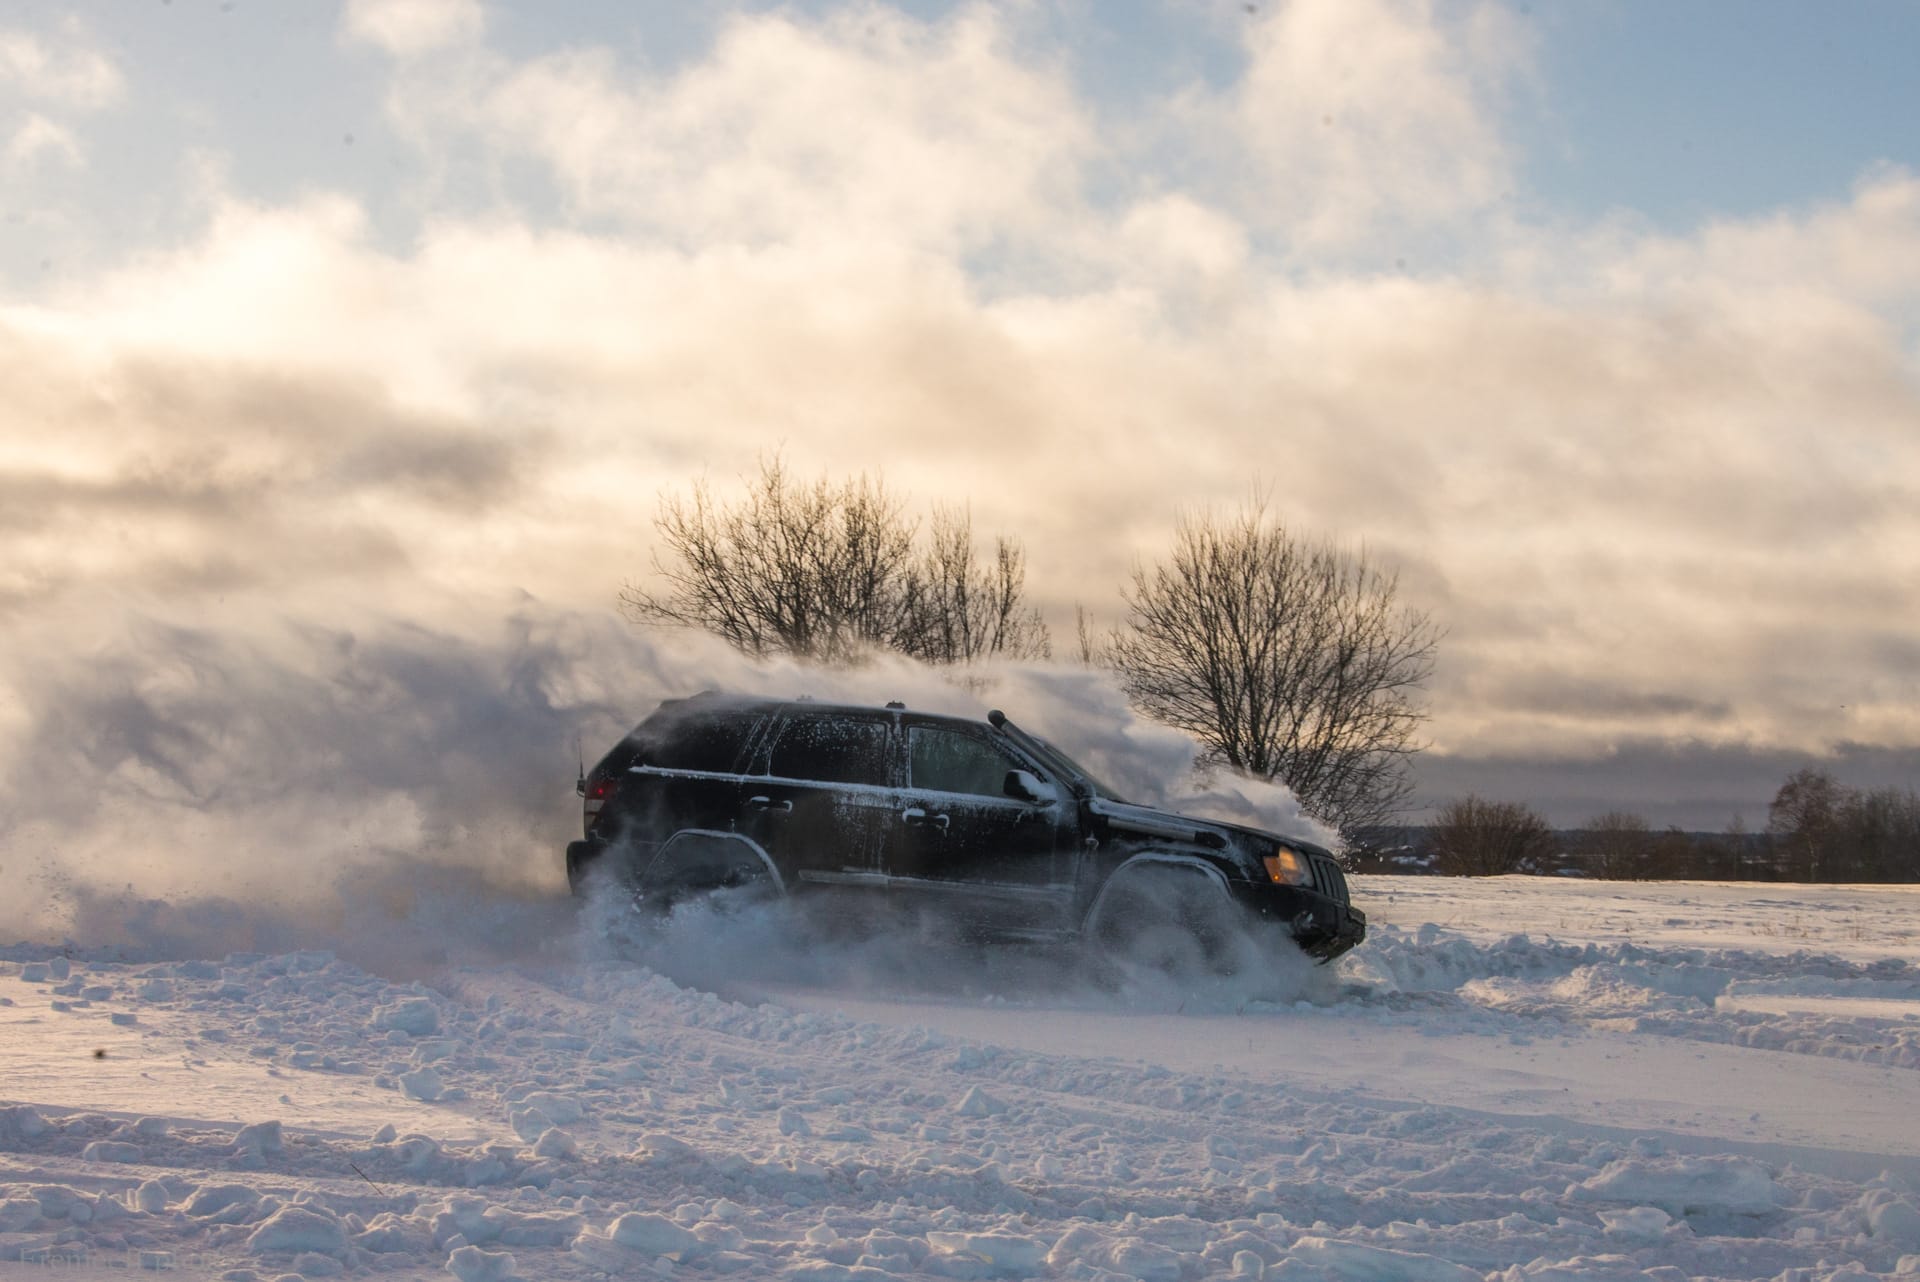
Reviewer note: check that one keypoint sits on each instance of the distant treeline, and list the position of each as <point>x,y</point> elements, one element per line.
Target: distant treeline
<point>1818,829</point>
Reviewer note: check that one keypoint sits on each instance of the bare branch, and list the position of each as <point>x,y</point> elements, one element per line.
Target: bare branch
<point>1289,659</point>
<point>1473,837</point>
<point>831,573</point>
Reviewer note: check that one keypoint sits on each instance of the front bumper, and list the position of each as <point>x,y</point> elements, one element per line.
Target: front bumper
<point>1327,933</point>
<point>1321,926</point>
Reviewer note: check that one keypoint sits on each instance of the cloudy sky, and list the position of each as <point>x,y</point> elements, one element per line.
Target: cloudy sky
<point>343,343</point>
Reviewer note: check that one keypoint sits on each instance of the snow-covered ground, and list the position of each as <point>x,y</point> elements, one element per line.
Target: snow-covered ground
<point>1513,1078</point>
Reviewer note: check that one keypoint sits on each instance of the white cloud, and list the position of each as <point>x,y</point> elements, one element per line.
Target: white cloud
<point>407,28</point>
<point>1184,239</point>
<point>1357,118</point>
<point>1865,248</point>
<point>864,126</point>
<point>64,70</point>
<point>39,141</point>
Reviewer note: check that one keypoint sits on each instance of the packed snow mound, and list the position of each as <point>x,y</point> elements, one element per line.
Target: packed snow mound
<point>1687,1185</point>
<point>1526,986</point>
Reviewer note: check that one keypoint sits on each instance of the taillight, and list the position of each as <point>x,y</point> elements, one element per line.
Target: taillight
<point>599,790</point>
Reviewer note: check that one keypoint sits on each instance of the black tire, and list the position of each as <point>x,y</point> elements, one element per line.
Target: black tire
<point>1168,920</point>
<point>738,890</point>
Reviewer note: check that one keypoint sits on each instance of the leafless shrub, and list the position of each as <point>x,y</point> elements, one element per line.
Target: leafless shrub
<point>1473,837</point>
<point>831,572</point>
<point>1617,845</point>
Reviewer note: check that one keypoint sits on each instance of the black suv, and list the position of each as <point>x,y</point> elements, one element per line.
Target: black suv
<point>876,810</point>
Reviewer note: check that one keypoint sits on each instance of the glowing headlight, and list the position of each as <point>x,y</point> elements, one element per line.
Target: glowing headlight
<point>1286,867</point>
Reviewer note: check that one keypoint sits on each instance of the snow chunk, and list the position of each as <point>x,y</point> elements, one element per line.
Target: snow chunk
<point>1007,1255</point>
<point>295,1229</point>
<point>312,1264</point>
<point>554,1142</point>
<point>636,1240</point>
<point>415,1016</point>
<point>212,1199</point>
<point>1896,1223</point>
<point>151,1197</point>
<point>529,1228</point>
<point>652,1235</point>
<point>471,1264</point>
<point>58,1202</point>
<point>1687,1185</point>
<point>262,1139</point>
<point>529,1123</point>
<point>111,1151</point>
<point>422,1084</point>
<point>1640,1224</point>
<point>792,1122</point>
<point>388,1233</point>
<point>662,1148</point>
<point>562,1109</point>
<point>22,1121</point>
<point>1134,1257</point>
<point>977,1103</point>
<point>1377,1263</point>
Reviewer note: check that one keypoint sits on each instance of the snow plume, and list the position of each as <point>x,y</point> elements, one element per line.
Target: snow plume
<point>259,780</point>
<point>766,951</point>
<point>271,771</point>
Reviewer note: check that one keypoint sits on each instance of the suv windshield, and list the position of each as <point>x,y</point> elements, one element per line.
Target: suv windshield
<point>1067,765</point>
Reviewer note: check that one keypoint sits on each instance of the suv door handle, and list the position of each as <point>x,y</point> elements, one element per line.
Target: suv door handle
<point>916,816</point>
<point>768,803</point>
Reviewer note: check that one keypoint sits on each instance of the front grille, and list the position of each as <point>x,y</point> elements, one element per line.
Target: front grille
<point>1329,880</point>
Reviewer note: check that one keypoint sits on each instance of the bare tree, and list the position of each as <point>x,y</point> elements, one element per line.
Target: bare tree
<point>1473,837</point>
<point>1880,836</point>
<point>1088,647</point>
<point>831,572</point>
<point>962,608</point>
<point>1617,845</point>
<point>1287,658</point>
<point>1803,820</point>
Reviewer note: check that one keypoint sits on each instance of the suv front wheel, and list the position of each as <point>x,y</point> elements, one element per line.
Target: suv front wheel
<point>1168,919</point>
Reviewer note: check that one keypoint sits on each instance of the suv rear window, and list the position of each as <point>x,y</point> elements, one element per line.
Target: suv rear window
<point>831,750</point>
<point>711,743</point>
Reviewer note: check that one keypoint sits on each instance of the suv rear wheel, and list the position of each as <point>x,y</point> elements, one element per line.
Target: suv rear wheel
<point>723,874</point>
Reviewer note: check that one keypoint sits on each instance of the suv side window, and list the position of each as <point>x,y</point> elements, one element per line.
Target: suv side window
<point>832,750</point>
<point>945,760</point>
<point>702,743</point>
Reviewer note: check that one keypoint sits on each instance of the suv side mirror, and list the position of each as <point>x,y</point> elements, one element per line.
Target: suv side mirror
<point>1022,785</point>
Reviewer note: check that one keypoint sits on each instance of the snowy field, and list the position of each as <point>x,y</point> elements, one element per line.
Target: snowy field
<point>1513,1078</point>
